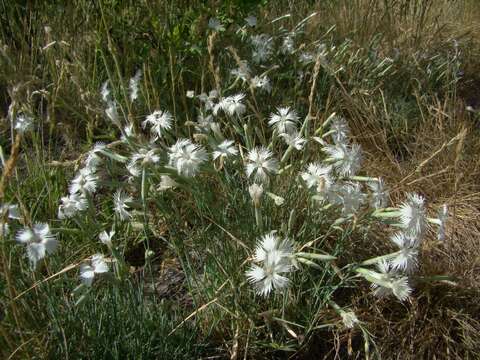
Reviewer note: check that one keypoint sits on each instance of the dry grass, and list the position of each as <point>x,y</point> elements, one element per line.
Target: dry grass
<point>441,321</point>
<point>439,159</point>
<point>441,162</point>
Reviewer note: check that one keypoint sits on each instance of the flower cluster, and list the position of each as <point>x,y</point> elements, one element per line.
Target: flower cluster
<point>239,140</point>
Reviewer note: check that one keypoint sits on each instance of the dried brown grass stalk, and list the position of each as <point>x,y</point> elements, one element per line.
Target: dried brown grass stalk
<point>316,71</point>
<point>10,165</point>
<point>211,61</point>
<point>6,174</point>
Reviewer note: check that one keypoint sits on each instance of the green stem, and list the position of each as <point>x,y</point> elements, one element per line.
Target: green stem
<point>386,214</point>
<point>377,259</point>
<point>335,306</point>
<point>143,190</point>
<point>258,218</point>
<point>287,154</point>
<point>330,132</point>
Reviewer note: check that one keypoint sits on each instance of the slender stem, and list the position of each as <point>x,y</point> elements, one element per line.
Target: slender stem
<point>330,132</point>
<point>143,195</point>
<point>143,188</point>
<point>335,306</point>
<point>363,178</point>
<point>386,214</point>
<point>377,259</point>
<point>258,218</point>
<point>325,124</point>
<point>373,277</point>
<point>291,219</point>
<point>287,154</point>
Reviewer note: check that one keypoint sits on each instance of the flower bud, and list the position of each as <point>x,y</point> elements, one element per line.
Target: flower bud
<point>256,192</point>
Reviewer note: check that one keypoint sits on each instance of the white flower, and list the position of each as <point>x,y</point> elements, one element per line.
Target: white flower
<point>256,192</point>
<point>85,182</point>
<point>442,217</point>
<point>134,169</point>
<point>97,266</point>
<point>306,58</point>
<point>261,53</point>
<point>166,182</point>
<point>112,113</point>
<point>300,76</point>
<point>235,106</point>
<point>271,242</point>
<point>294,140</point>
<point>278,200</point>
<point>106,237</point>
<point>11,211</point>
<point>322,51</point>
<point>262,47</point>
<point>127,132</point>
<point>242,72</point>
<point>23,123</point>
<point>347,160</point>
<point>288,45</point>
<point>259,40</point>
<point>204,123</point>
<point>120,206</point>
<point>379,198</point>
<point>105,91</point>
<point>334,194</point>
<point>352,198</point>
<point>262,83</point>
<point>187,157</point>
<point>190,94</point>
<point>285,120</point>
<point>400,288</point>
<point>159,121</point>
<point>93,159</point>
<point>318,176</point>
<point>133,86</point>
<point>215,25</point>
<point>225,149</point>
<point>349,318</point>
<point>275,258</point>
<point>251,21</point>
<point>231,105</point>
<point>413,216</point>
<point>143,158</point>
<point>388,282</point>
<point>441,222</point>
<point>341,130</point>
<point>208,100</point>
<point>72,204</point>
<point>407,259</point>
<point>39,241</point>
<point>261,163</point>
